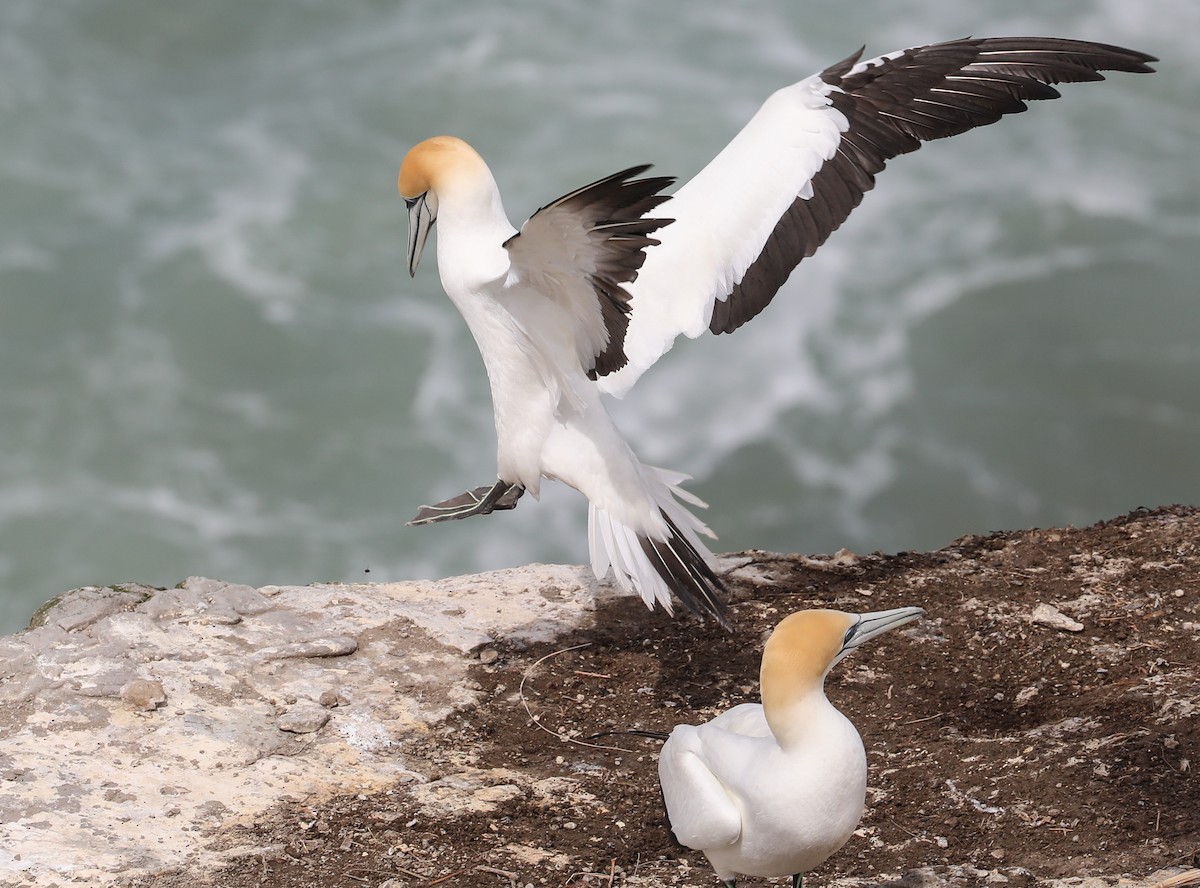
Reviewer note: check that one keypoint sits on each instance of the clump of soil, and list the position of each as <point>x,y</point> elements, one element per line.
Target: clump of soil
<point>1007,742</point>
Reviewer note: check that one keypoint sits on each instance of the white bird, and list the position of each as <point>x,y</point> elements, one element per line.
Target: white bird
<point>773,789</point>
<point>597,285</point>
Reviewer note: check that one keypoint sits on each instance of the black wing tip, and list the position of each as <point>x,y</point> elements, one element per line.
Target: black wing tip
<point>893,104</point>
<point>1083,55</point>
<point>1111,56</point>
<point>628,177</point>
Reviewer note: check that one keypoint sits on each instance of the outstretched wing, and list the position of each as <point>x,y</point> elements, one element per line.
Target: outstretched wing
<point>582,249</point>
<point>804,161</point>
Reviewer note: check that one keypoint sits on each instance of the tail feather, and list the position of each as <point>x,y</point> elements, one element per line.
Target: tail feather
<point>688,574</point>
<point>655,568</point>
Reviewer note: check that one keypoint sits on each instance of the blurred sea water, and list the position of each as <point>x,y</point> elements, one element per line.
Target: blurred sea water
<point>213,361</point>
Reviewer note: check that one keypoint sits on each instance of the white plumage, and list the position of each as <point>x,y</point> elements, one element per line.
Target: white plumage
<point>773,789</point>
<point>598,284</point>
<point>723,217</point>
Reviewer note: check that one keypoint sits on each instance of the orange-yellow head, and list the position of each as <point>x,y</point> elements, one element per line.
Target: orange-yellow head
<point>429,172</point>
<point>807,644</point>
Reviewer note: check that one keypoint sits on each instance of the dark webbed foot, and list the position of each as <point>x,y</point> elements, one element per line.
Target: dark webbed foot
<point>501,496</point>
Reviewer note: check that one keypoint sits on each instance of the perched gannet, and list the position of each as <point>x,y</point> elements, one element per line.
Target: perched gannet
<point>597,285</point>
<point>773,789</point>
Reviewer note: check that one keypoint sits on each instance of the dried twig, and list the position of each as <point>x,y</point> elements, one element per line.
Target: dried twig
<point>449,876</point>
<point>592,674</point>
<point>512,877</point>
<point>586,874</point>
<point>1186,879</point>
<point>917,721</point>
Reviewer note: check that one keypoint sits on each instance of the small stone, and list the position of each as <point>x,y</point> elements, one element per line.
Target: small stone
<point>212,808</point>
<point>844,558</point>
<point>221,616</point>
<point>487,656</point>
<point>143,695</point>
<point>304,718</point>
<point>1048,615</point>
<point>335,646</point>
<point>330,699</point>
<point>1026,694</point>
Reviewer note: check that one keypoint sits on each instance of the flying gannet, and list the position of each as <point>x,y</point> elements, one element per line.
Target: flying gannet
<point>773,789</point>
<point>597,285</point>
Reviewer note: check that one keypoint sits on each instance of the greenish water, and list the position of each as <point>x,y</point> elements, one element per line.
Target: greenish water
<point>212,360</point>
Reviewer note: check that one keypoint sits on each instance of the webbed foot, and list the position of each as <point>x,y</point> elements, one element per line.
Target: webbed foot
<point>484,500</point>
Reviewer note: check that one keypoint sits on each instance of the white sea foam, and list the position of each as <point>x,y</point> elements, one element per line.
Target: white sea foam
<point>236,216</point>
<point>24,256</point>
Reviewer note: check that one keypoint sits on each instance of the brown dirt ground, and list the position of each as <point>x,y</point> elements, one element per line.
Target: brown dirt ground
<point>997,746</point>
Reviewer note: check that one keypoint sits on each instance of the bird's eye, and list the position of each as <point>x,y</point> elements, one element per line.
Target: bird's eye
<point>849,634</point>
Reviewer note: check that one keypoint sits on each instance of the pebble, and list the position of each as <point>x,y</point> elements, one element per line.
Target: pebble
<point>331,698</point>
<point>222,616</point>
<point>1048,615</point>
<point>335,646</point>
<point>143,695</point>
<point>304,718</point>
<point>487,656</point>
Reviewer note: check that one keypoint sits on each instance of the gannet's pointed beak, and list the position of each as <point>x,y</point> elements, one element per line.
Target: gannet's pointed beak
<point>869,625</point>
<point>422,213</point>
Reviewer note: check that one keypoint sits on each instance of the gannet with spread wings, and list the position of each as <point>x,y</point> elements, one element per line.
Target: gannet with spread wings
<point>597,285</point>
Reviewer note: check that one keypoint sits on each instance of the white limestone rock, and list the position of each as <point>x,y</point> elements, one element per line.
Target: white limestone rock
<point>132,719</point>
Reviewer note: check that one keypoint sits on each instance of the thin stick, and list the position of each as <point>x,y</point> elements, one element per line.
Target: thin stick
<point>917,721</point>
<point>449,876</point>
<point>1180,880</point>
<point>536,722</point>
<point>512,877</point>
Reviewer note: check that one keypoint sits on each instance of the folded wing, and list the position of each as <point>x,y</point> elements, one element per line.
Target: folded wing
<point>804,162</point>
<point>701,812</point>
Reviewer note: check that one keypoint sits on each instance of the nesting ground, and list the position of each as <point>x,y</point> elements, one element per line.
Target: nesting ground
<point>1007,743</point>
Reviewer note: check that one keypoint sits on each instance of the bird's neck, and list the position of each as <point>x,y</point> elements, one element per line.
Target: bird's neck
<point>797,713</point>
<point>472,228</point>
<point>474,203</point>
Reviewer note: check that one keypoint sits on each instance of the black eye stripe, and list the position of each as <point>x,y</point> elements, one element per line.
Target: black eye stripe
<point>849,634</point>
